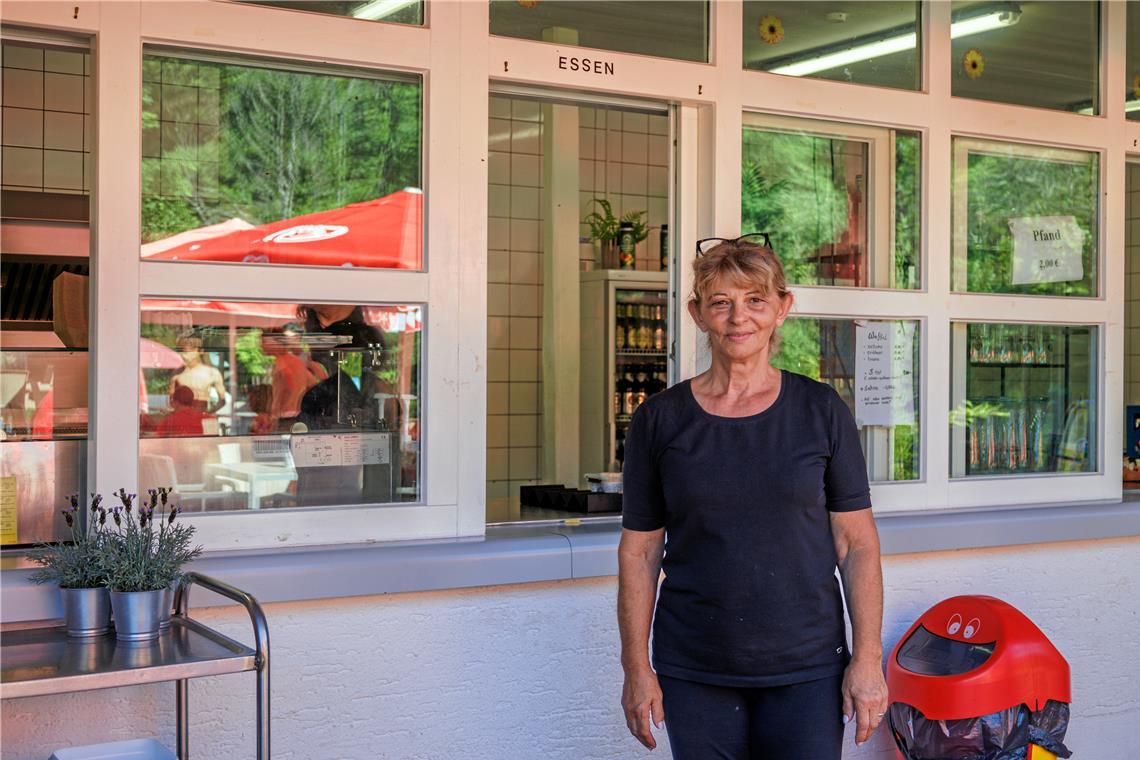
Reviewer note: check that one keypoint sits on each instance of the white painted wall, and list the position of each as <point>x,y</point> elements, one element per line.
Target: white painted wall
<point>531,671</point>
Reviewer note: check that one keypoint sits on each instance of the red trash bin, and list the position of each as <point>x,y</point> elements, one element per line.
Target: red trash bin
<point>973,677</point>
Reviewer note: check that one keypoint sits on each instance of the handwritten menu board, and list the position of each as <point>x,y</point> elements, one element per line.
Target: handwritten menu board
<point>9,533</point>
<point>341,449</point>
<point>884,373</point>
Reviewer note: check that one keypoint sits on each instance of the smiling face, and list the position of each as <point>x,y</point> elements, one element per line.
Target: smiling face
<point>740,318</point>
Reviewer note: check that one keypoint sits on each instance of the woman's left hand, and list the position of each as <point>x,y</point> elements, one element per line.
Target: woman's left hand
<point>864,696</point>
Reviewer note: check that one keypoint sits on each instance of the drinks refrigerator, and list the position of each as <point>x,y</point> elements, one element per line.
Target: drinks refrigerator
<point>624,357</point>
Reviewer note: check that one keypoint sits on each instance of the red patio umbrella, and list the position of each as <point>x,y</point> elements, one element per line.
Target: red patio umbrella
<point>385,233</point>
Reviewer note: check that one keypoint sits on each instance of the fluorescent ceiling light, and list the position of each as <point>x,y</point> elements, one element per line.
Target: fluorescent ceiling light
<point>896,44</point>
<point>1129,107</point>
<point>379,9</point>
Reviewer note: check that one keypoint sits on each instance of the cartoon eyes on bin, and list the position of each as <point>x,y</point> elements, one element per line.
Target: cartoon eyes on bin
<point>971,628</point>
<point>954,625</point>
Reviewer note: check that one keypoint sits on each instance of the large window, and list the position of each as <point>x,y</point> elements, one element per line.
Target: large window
<point>874,366</point>
<point>391,11</point>
<point>1025,219</point>
<point>864,43</point>
<point>840,202</point>
<point>1024,399</point>
<point>1042,53</point>
<point>47,150</point>
<point>677,29</point>
<point>250,164</point>
<point>254,405</point>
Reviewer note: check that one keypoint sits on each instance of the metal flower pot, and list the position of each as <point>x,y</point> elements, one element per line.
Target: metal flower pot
<point>137,614</point>
<point>86,612</point>
<point>167,606</point>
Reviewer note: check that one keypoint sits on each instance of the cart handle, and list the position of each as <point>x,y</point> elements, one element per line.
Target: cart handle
<point>256,615</point>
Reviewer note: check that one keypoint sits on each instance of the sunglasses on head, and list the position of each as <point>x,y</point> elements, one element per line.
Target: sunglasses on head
<point>755,238</point>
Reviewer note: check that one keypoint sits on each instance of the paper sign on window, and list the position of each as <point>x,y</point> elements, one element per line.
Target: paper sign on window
<point>341,449</point>
<point>1047,249</point>
<point>884,373</point>
<point>9,519</point>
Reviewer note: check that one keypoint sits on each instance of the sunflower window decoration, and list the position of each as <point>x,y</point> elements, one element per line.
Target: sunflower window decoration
<point>1136,86</point>
<point>771,29</point>
<point>974,63</point>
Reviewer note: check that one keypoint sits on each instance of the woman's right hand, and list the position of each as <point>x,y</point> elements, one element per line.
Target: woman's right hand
<point>642,702</point>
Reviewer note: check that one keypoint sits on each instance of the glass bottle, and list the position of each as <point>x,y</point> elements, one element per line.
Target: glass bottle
<point>1005,352</point>
<point>1042,345</point>
<point>989,438</point>
<point>627,396</point>
<point>988,350</point>
<point>658,328</point>
<point>626,245</point>
<point>1040,435</point>
<point>974,449</point>
<point>640,390</point>
<point>619,330</point>
<point>975,335</point>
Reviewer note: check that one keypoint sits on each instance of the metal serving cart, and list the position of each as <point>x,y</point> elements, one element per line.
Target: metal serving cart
<point>38,661</point>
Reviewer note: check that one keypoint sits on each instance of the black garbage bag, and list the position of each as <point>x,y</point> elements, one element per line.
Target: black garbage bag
<point>1002,735</point>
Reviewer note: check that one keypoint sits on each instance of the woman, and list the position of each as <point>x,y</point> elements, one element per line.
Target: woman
<point>747,486</point>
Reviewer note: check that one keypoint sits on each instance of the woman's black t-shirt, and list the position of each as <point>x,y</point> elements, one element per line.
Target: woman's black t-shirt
<point>750,596</point>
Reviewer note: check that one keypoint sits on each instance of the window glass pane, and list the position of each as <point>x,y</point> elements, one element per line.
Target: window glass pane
<point>678,29</point>
<point>1024,399</point>
<point>1036,53</point>
<point>48,115</point>
<point>252,405</point>
<point>571,303</point>
<point>841,202</point>
<point>1132,97</point>
<point>874,366</point>
<point>1024,219</point>
<point>1130,438</point>
<point>876,43</point>
<point>391,11</point>
<point>243,163</point>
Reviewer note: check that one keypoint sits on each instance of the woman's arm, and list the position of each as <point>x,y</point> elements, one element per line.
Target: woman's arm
<point>639,566</point>
<point>857,550</point>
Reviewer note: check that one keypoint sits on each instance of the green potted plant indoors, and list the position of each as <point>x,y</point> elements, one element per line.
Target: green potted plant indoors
<point>143,555</point>
<point>605,229</point>
<point>76,567</point>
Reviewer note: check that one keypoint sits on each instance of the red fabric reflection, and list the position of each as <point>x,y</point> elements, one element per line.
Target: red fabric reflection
<point>393,319</point>
<point>385,233</point>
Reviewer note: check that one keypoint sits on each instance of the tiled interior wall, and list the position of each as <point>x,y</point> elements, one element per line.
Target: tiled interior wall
<point>47,120</point>
<point>180,127</point>
<point>514,302</point>
<point>623,157</point>
<point>1132,288</point>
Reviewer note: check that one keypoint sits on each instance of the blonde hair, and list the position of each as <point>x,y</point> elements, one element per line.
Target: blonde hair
<point>743,264</point>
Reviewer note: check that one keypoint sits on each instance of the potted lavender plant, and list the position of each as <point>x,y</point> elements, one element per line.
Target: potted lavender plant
<point>142,555</point>
<point>76,567</point>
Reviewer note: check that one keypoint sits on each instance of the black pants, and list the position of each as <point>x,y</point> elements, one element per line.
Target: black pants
<point>802,721</point>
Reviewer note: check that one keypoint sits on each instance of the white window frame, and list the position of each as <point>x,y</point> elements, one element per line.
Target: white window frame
<point>459,59</point>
